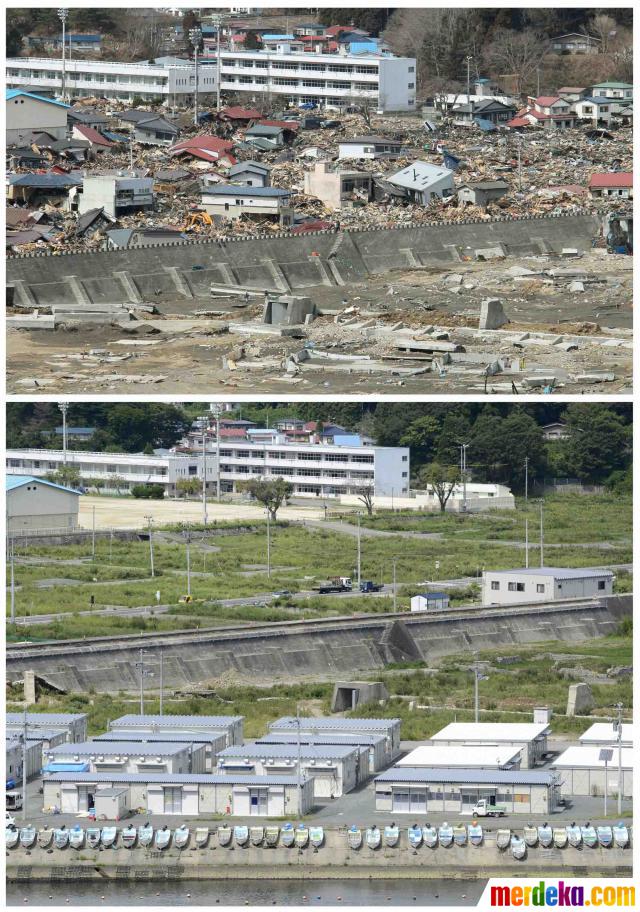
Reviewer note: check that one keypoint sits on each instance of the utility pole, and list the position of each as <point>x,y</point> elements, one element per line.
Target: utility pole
<point>141,664</point>
<point>188,563</point>
<point>13,581</point>
<point>476,679</point>
<point>218,24</point>
<point>93,533</point>
<point>526,479</point>
<point>268,543</point>
<point>62,15</point>
<point>541,539</point>
<point>526,543</point>
<point>395,588</point>
<point>64,406</point>
<point>131,149</point>
<point>359,555</point>
<point>195,36</point>
<point>619,724</point>
<point>299,777</point>
<point>24,764</point>
<point>161,679</point>
<point>519,142</point>
<point>204,477</point>
<point>149,521</point>
<point>463,472</point>
<point>469,59</point>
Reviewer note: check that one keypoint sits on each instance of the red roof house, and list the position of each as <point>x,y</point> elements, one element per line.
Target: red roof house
<point>206,148</point>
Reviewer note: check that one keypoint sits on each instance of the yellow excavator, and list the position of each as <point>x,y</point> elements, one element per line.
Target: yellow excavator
<point>197,218</point>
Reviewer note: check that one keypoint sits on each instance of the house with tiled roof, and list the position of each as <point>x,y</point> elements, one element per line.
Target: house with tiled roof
<point>612,184</point>
<point>97,142</point>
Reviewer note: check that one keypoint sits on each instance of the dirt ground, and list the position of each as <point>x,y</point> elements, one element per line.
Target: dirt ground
<point>127,513</point>
<point>181,352</point>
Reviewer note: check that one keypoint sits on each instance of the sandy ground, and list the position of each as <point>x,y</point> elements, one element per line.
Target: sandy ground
<point>127,513</point>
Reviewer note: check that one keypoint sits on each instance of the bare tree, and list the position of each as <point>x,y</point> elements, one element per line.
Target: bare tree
<point>602,27</point>
<point>365,496</point>
<point>517,53</point>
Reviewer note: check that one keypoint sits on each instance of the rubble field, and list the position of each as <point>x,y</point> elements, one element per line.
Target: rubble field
<point>566,326</point>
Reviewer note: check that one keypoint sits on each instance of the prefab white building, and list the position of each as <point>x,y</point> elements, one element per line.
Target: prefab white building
<point>603,734</point>
<point>372,748</point>
<point>583,771</point>
<point>74,725</point>
<point>187,794</point>
<point>16,755</point>
<point>544,584</point>
<point>334,769</point>
<point>37,505</point>
<point>388,728</point>
<point>482,756</point>
<point>231,726</point>
<point>412,790</point>
<point>28,113</point>
<point>530,738</point>
<point>126,757</point>
<point>201,749</point>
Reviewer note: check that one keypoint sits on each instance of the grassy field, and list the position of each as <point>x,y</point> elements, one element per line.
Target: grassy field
<point>226,566</point>
<point>533,680</point>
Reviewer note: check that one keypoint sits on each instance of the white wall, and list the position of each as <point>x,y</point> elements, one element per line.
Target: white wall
<point>27,114</point>
<point>553,589</point>
<point>36,506</point>
<point>395,78</point>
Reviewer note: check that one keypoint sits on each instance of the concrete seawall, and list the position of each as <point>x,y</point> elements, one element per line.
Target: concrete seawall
<point>334,860</point>
<point>326,649</point>
<point>186,270</point>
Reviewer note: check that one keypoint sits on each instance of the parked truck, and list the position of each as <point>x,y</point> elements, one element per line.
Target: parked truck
<point>334,584</point>
<point>486,808</point>
<point>370,586</point>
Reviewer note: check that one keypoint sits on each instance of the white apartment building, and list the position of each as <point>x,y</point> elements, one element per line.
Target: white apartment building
<point>381,81</point>
<point>121,81</point>
<point>314,469</point>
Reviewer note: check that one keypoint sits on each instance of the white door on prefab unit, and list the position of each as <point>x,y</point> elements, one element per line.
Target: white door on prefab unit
<point>172,800</point>
<point>68,798</point>
<point>258,802</point>
<point>325,784</point>
<point>85,797</point>
<point>410,801</point>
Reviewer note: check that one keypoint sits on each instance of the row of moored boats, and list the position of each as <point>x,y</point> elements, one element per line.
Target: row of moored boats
<point>446,835</point>
<point>146,836</point>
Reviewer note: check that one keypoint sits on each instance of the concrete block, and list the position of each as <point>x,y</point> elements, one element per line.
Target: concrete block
<point>580,700</point>
<point>351,694</point>
<point>576,287</point>
<point>29,686</point>
<point>289,310</point>
<point>492,315</point>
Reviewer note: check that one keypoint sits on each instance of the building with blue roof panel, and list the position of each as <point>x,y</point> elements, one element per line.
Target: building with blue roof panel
<point>36,505</point>
<point>27,113</point>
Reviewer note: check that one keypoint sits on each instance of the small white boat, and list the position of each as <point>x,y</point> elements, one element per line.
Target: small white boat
<point>241,835</point>
<point>302,836</point>
<point>430,836</point>
<point>201,837</point>
<point>560,837</point>
<point>163,838</point>
<point>574,835</point>
<point>391,835</point>
<point>316,836</point>
<point>354,837</point>
<point>145,835</point>
<point>76,837</point>
<point>503,838</point>
<point>288,835</point>
<point>109,836</point>
<point>414,835</point>
<point>460,834</point>
<point>11,837</point>
<point>605,836</point>
<point>28,836</point>
<point>445,835</point>
<point>589,835</point>
<point>518,847</point>
<point>545,835</point>
<point>181,837</point>
<point>530,834</point>
<point>93,837</point>
<point>45,838</point>
<point>620,835</point>
<point>475,833</point>
<point>373,837</point>
<point>224,834</point>
<point>271,834</point>
<point>256,835</point>
<point>129,836</point>
<point>61,838</point>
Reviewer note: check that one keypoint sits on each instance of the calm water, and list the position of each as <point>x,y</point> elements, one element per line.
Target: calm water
<point>252,893</point>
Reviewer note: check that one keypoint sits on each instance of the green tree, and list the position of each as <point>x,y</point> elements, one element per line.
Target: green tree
<point>185,486</point>
<point>598,443</point>
<point>422,436</point>
<point>454,431</point>
<point>66,475</point>
<point>442,479</point>
<point>148,491</point>
<point>252,41</point>
<point>522,440</point>
<point>270,493</point>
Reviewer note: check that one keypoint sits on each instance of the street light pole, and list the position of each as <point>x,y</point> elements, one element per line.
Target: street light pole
<point>93,533</point>
<point>469,59</point>
<point>619,708</point>
<point>63,406</point>
<point>526,478</point>
<point>161,679</point>
<point>188,563</point>
<point>299,776</point>
<point>359,555</point>
<point>395,588</point>
<point>24,764</point>
<point>141,665</point>
<point>476,694</point>
<point>463,472</point>
<point>204,477</point>
<point>149,521</point>
<point>268,543</point>
<point>195,36</point>
<point>62,15</point>
<point>541,539</point>
<point>13,582</point>
<point>218,67</point>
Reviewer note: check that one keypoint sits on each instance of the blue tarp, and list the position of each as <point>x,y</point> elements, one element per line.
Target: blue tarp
<point>450,161</point>
<point>66,768</point>
<point>485,125</point>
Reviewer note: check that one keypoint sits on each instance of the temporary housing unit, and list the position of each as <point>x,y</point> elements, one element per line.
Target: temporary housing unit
<point>200,745</point>
<point>74,725</point>
<point>604,734</point>
<point>230,725</point>
<point>582,768</point>
<point>124,757</point>
<point>389,728</point>
<point>482,756</point>
<point>528,737</point>
<point>333,768</point>
<point>187,794</point>
<point>544,584</point>
<point>373,755</point>
<point>15,756</point>
<point>414,790</point>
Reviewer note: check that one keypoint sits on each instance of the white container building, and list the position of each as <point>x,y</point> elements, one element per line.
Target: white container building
<point>582,768</point>
<point>603,734</point>
<point>203,751</point>
<point>125,757</point>
<point>544,584</point>
<point>372,747</point>
<point>528,737</point>
<point>231,726</point>
<point>482,756</point>
<point>388,728</point>
<point>74,725</point>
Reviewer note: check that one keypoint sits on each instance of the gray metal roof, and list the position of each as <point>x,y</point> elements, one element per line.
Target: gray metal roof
<point>158,737</point>
<point>41,718</point>
<point>488,777</point>
<point>120,747</point>
<point>286,737</point>
<point>309,723</point>
<point>231,190</point>
<point>556,572</point>
<point>370,140</point>
<point>170,778</point>
<point>288,751</point>
<point>221,722</point>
